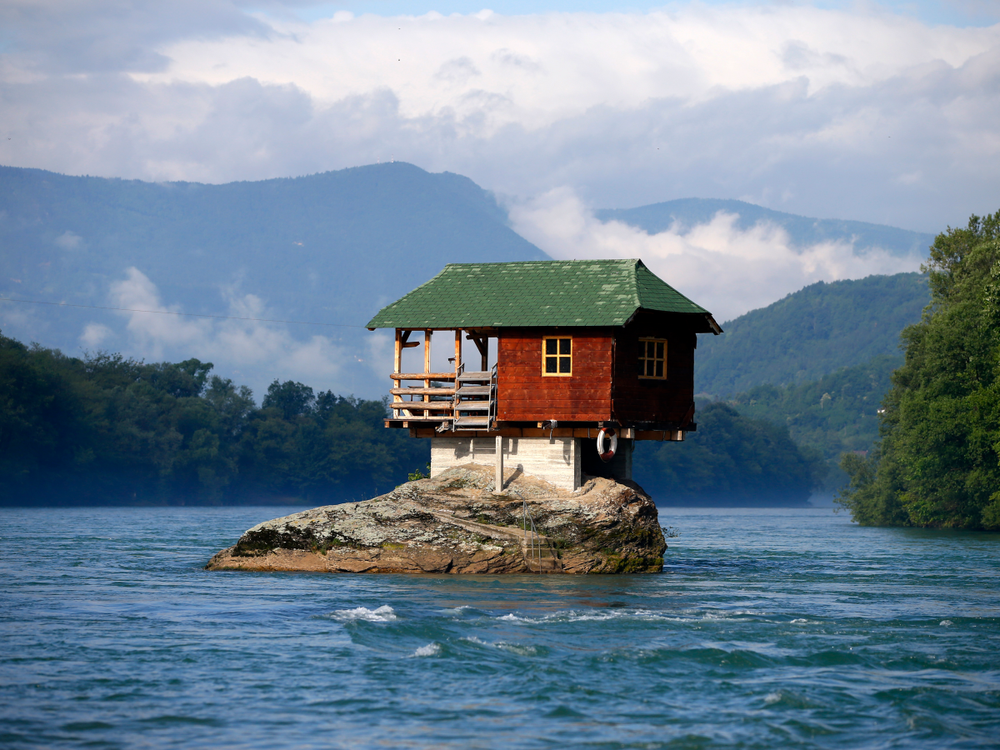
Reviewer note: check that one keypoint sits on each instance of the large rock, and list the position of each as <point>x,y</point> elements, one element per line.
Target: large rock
<point>456,523</point>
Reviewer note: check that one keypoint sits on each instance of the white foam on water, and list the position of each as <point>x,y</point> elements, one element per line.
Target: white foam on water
<point>946,623</point>
<point>384,613</point>
<point>431,649</point>
<point>799,621</point>
<point>603,615</point>
<point>772,698</point>
<point>515,618</point>
<point>516,648</point>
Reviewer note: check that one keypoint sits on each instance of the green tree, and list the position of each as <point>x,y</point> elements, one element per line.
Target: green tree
<point>731,459</point>
<point>938,463</point>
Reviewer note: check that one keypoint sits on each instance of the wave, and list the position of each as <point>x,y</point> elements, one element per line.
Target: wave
<point>384,613</point>
<point>431,649</point>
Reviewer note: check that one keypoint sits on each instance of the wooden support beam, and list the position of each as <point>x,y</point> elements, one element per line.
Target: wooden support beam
<point>530,432</point>
<point>423,375</point>
<point>483,345</point>
<point>415,391</point>
<point>427,360</point>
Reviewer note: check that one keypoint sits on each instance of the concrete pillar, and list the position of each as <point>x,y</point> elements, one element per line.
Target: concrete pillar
<point>556,460</point>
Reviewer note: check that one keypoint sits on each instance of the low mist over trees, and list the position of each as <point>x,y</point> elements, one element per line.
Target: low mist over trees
<point>938,463</point>
<point>836,414</point>
<point>106,429</point>
<point>110,430</point>
<point>731,459</point>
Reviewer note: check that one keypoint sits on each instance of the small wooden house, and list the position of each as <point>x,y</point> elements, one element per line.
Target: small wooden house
<point>568,352</point>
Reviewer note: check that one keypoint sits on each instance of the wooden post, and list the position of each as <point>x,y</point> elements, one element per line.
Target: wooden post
<point>499,479</point>
<point>397,363</point>
<point>483,345</point>
<point>458,350</point>
<point>427,361</point>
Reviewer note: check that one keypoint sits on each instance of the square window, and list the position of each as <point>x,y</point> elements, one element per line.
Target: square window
<point>557,356</point>
<point>653,359</point>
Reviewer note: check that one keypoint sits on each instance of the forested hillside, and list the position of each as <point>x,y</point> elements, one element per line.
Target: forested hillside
<point>833,415</point>
<point>938,461</point>
<point>731,460</point>
<point>810,333</point>
<point>109,430</point>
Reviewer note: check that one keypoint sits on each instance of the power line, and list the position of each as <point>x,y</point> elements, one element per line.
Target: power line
<point>187,315</point>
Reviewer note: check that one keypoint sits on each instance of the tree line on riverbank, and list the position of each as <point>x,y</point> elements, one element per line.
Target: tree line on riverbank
<point>111,430</point>
<point>937,462</point>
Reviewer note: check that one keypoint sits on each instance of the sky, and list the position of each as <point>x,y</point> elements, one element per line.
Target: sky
<point>879,111</point>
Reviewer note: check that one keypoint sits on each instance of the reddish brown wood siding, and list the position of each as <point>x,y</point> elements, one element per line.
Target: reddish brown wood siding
<point>658,401</point>
<point>524,395</point>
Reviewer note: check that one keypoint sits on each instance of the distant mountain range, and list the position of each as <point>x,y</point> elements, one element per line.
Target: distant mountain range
<point>331,248</point>
<point>335,247</point>
<point>802,231</point>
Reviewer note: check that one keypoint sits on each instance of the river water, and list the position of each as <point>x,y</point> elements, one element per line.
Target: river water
<point>767,629</point>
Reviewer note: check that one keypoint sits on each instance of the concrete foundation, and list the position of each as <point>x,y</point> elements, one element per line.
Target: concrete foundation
<point>619,467</point>
<point>556,460</point>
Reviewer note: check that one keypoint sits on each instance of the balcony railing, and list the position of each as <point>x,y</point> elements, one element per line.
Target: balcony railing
<point>454,400</point>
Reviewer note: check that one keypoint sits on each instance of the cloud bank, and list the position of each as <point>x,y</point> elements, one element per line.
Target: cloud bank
<point>856,112</point>
<point>721,267</point>
<point>252,352</point>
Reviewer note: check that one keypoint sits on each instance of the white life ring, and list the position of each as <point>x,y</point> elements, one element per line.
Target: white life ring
<point>604,451</point>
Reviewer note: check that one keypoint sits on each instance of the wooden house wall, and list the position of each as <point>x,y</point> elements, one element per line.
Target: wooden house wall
<point>647,400</point>
<point>525,395</point>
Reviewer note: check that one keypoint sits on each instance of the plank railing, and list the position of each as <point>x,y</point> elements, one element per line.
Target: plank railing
<point>433,400</point>
<point>436,397</point>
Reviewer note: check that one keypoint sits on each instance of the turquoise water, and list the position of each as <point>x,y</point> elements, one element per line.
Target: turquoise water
<point>768,628</point>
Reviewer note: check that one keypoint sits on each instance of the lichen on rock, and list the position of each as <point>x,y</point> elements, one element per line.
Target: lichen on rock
<point>455,522</point>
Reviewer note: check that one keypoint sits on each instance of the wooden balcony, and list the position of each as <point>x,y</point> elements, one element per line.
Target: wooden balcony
<point>451,401</point>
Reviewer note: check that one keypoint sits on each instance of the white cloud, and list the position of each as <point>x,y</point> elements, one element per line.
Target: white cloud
<point>95,334</point>
<point>721,267</point>
<point>69,240</point>
<point>250,351</point>
<point>856,112</point>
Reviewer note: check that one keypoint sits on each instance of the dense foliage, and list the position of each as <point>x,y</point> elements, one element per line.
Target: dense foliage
<point>731,459</point>
<point>111,430</point>
<point>938,463</point>
<point>835,414</point>
<point>813,332</point>
<point>106,429</point>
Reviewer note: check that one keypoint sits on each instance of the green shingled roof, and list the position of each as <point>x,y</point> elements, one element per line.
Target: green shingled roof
<point>535,293</point>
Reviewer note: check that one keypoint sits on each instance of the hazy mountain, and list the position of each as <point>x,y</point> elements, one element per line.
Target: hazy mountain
<point>330,248</point>
<point>335,247</point>
<point>803,231</point>
<point>810,333</point>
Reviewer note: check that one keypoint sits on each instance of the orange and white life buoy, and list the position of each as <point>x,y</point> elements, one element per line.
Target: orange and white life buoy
<point>607,444</point>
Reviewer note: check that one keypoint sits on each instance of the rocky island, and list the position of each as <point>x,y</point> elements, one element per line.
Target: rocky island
<point>456,522</point>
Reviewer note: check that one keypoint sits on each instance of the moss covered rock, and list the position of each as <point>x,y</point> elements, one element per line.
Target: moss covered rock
<point>457,523</point>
